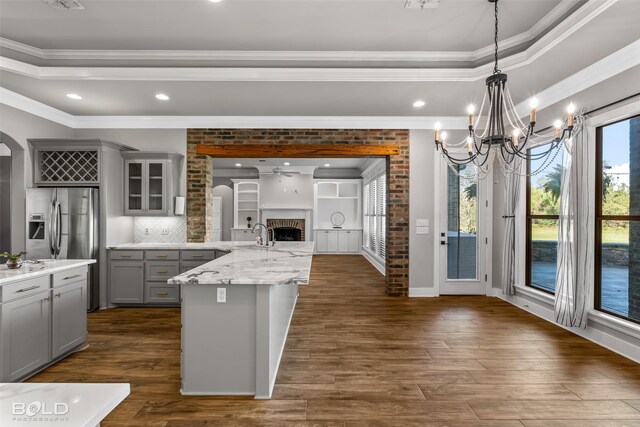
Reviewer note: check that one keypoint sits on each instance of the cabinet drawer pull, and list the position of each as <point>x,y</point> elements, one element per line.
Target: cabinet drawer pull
<point>163,271</point>
<point>58,295</point>
<point>162,294</point>
<point>197,256</point>
<point>125,256</point>
<point>161,256</point>
<point>72,277</point>
<point>28,289</point>
<point>46,299</point>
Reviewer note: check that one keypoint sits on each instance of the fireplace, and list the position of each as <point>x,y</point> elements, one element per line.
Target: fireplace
<point>287,230</point>
<point>287,234</point>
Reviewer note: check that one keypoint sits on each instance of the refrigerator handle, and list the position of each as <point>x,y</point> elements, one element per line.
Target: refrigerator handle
<point>92,251</point>
<point>58,228</point>
<point>52,225</point>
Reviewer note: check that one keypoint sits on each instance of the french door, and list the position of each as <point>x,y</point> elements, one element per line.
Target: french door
<point>463,235</point>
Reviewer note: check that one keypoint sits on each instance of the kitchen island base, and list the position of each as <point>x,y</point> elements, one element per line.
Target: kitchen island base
<point>234,347</point>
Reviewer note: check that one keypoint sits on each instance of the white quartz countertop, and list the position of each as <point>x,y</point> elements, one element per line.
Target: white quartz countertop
<point>46,404</point>
<point>39,268</point>
<point>286,263</point>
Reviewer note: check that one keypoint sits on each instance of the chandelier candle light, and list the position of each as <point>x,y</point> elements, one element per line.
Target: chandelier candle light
<point>508,142</point>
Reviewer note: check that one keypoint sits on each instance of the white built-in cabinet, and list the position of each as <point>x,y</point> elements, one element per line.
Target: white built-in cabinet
<point>151,182</point>
<point>246,204</point>
<point>338,195</point>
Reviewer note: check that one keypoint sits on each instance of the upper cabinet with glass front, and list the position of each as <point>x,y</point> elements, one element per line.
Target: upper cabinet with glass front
<point>151,182</point>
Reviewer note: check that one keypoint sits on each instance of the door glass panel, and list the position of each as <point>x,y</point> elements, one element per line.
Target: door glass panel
<point>135,186</point>
<point>156,186</point>
<point>462,220</point>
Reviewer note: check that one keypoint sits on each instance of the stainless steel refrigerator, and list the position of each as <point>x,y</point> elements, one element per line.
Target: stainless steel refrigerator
<point>63,223</point>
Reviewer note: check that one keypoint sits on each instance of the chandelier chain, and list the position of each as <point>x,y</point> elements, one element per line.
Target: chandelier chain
<point>495,67</point>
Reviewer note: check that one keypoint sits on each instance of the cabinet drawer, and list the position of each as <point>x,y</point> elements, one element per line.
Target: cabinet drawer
<point>124,255</point>
<point>190,265</point>
<point>161,271</point>
<point>70,276</point>
<point>198,255</point>
<point>172,255</point>
<point>161,293</point>
<point>24,288</point>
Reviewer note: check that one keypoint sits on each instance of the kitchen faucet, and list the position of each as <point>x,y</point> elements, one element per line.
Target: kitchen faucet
<point>265,242</point>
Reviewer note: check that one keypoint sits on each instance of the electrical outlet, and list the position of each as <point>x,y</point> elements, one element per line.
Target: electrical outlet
<point>146,231</point>
<point>165,231</point>
<point>222,295</point>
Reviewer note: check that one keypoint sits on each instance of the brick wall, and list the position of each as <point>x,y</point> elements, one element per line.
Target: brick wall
<point>199,180</point>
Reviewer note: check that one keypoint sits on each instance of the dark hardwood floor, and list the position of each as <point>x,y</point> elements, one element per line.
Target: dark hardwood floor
<point>356,357</point>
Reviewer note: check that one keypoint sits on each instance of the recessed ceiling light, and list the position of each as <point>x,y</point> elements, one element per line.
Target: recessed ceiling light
<point>162,97</point>
<point>238,165</point>
<point>419,103</point>
<point>287,163</point>
<point>74,96</point>
<point>326,165</point>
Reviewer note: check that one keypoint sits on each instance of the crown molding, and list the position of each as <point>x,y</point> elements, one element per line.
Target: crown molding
<point>36,108</point>
<point>576,20</point>
<point>616,63</point>
<point>558,12</point>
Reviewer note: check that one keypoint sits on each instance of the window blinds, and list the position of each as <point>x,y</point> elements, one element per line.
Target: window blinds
<point>375,206</point>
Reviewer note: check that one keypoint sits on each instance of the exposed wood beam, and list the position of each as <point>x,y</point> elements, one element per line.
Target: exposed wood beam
<point>296,150</point>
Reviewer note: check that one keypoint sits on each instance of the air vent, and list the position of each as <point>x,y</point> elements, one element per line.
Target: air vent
<point>64,4</point>
<point>421,4</point>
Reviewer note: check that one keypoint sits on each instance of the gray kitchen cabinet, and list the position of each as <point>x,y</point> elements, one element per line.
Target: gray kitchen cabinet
<point>139,277</point>
<point>26,326</point>
<point>69,316</point>
<point>126,282</point>
<point>151,182</point>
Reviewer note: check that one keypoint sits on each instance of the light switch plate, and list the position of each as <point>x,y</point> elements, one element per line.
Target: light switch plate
<point>422,230</point>
<point>422,222</point>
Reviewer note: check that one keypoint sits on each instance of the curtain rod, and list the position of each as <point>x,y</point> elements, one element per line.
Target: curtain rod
<point>595,110</point>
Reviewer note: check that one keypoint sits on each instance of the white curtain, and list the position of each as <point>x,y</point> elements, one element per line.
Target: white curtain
<point>575,239</point>
<point>512,193</point>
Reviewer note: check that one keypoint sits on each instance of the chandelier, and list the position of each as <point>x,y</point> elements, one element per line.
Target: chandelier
<point>497,132</point>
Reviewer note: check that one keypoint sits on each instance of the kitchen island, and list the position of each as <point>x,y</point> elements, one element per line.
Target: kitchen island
<point>236,312</point>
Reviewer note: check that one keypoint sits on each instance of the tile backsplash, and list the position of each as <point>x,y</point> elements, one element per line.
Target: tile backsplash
<point>171,229</point>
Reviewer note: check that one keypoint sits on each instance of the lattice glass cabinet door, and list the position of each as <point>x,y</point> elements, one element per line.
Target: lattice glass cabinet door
<point>134,186</point>
<point>156,183</point>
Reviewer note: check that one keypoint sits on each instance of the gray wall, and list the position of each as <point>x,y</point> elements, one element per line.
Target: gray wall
<point>421,206</point>
<point>281,193</point>
<point>5,200</point>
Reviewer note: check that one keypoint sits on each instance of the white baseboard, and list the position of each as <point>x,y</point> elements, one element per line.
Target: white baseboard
<point>375,262</point>
<point>602,335</point>
<point>423,292</point>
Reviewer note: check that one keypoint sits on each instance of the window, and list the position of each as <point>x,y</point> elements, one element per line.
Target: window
<point>617,257</point>
<point>375,215</point>
<point>543,208</point>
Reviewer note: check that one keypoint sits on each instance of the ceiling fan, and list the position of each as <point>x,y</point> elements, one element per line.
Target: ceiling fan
<point>281,172</point>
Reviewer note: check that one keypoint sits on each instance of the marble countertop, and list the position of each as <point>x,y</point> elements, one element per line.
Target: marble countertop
<point>223,246</point>
<point>47,404</point>
<point>286,263</point>
<point>40,268</point>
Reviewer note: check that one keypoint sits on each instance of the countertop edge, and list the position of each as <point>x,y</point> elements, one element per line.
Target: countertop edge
<point>44,272</point>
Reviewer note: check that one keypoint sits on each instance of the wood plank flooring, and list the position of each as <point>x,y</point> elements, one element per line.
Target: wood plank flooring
<point>355,357</point>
